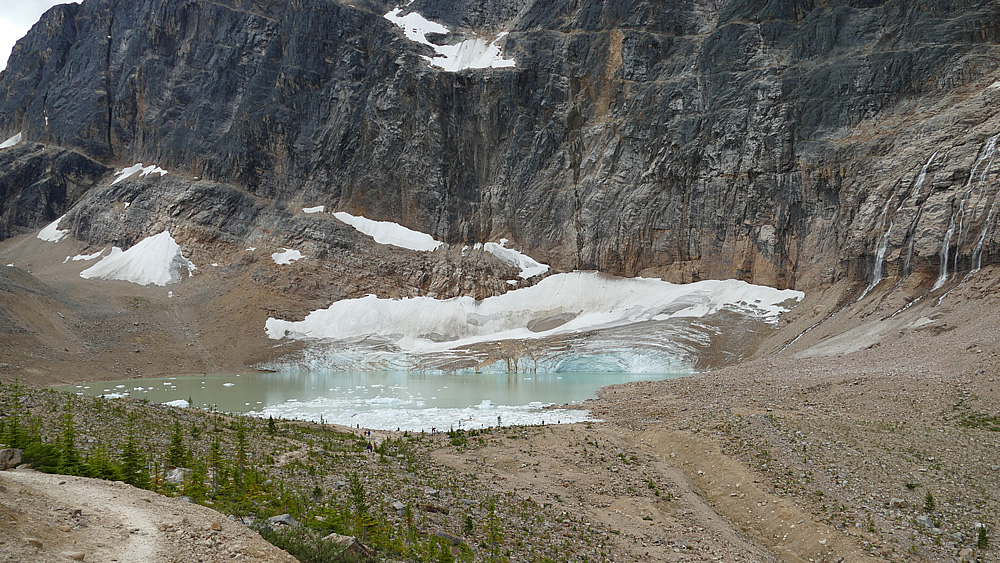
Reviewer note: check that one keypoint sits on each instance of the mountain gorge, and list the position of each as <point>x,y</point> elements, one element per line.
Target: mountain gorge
<point>782,143</point>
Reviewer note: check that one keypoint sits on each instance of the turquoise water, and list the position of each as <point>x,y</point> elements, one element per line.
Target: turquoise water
<point>381,400</point>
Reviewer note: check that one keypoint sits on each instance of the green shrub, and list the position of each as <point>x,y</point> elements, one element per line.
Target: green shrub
<point>42,457</point>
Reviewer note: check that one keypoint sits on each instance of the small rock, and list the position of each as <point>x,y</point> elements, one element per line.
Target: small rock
<point>432,492</point>
<point>282,520</point>
<point>899,503</point>
<point>398,506</point>
<point>34,542</point>
<point>65,528</point>
<point>965,555</point>
<point>177,475</point>
<point>215,525</point>
<point>75,555</point>
<point>925,521</point>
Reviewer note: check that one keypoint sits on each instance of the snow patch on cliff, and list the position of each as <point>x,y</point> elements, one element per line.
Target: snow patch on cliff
<point>52,233</point>
<point>529,267</point>
<point>125,173</point>
<point>317,209</point>
<point>11,141</point>
<point>153,260</point>
<point>475,53</point>
<point>286,256</point>
<point>387,232</point>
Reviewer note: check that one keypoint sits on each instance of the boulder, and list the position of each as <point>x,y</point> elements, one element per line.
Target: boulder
<point>9,458</point>
<point>282,520</point>
<point>351,547</point>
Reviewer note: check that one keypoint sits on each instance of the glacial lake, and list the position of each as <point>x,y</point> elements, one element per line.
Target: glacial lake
<point>380,400</point>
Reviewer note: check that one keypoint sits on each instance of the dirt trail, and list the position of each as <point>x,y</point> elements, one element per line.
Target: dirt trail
<point>47,517</point>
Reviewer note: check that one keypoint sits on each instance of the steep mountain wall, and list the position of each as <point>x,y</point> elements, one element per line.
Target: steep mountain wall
<point>791,143</point>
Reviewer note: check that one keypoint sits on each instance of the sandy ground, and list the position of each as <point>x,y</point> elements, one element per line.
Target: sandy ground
<point>59,518</point>
<point>823,448</point>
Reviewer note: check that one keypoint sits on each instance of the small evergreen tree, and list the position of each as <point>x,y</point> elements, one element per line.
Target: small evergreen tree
<point>133,466</point>
<point>177,454</point>
<point>71,462</point>
<point>102,467</point>
<point>929,502</point>
<point>42,457</point>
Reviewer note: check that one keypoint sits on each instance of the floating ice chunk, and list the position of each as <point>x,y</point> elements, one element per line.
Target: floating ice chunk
<point>153,260</point>
<point>136,168</point>
<point>52,233</point>
<point>11,141</point>
<point>114,395</point>
<point>317,209</point>
<point>475,53</point>
<point>529,267</point>
<point>179,403</point>
<point>286,256</point>
<point>386,232</point>
<point>228,384</point>
<point>559,304</point>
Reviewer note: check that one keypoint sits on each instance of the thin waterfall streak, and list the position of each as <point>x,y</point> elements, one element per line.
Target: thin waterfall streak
<point>943,277</point>
<point>920,179</point>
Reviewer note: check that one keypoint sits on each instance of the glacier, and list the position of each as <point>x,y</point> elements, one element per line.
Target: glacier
<point>571,322</point>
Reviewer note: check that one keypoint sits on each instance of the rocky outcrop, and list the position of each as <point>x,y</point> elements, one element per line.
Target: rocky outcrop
<point>785,143</point>
<point>38,184</point>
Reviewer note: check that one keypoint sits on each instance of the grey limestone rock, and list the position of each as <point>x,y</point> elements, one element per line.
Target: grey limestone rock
<point>778,142</point>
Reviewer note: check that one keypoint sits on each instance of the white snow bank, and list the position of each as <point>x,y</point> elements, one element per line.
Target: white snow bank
<point>317,209</point>
<point>560,304</point>
<point>88,257</point>
<point>179,403</point>
<point>138,167</point>
<point>156,259</point>
<point>286,256</point>
<point>11,141</point>
<point>472,53</point>
<point>529,267</point>
<point>386,232</point>
<point>52,233</point>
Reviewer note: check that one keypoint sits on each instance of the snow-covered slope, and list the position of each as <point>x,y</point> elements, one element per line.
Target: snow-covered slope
<point>153,260</point>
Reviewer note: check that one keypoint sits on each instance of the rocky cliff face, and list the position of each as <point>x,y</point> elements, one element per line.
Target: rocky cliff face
<point>786,143</point>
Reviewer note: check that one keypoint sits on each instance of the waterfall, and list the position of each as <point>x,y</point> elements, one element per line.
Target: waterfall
<point>920,180</point>
<point>977,177</point>
<point>921,177</point>
<point>880,256</point>
<point>880,251</point>
<point>977,252</point>
<point>944,254</point>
